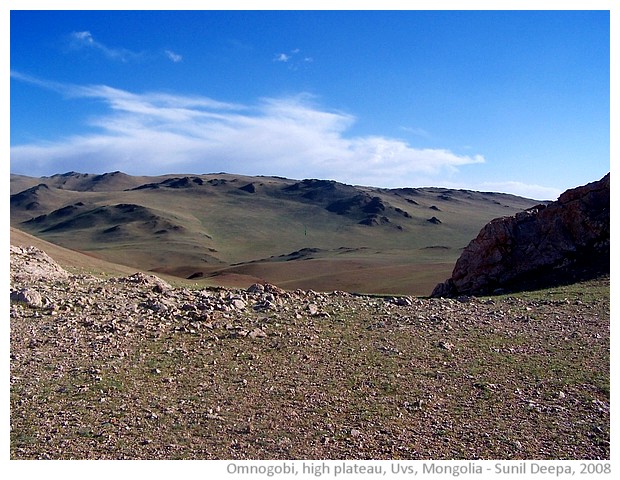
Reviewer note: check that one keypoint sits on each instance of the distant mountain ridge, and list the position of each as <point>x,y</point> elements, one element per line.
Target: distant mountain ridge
<point>227,228</point>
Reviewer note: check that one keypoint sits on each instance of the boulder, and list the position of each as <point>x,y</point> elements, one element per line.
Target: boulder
<point>562,242</point>
<point>27,296</point>
<point>157,284</point>
<point>29,264</point>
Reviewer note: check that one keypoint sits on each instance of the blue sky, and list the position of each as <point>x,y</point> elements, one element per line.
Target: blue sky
<point>511,101</point>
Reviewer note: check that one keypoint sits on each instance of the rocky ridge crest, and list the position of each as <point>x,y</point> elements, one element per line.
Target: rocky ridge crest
<point>562,242</point>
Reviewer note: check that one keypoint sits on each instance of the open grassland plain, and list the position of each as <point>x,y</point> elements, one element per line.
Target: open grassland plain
<point>233,230</point>
<point>129,367</point>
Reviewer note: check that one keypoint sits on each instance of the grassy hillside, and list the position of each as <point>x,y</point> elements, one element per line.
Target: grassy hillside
<point>236,230</point>
<point>72,261</point>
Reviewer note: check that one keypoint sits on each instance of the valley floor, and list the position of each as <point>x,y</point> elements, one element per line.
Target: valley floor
<point>131,368</point>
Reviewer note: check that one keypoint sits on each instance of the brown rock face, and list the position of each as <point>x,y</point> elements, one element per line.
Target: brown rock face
<point>562,242</point>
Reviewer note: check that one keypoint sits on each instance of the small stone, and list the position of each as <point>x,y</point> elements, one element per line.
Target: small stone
<point>402,301</point>
<point>257,333</point>
<point>238,303</point>
<point>28,296</point>
<point>256,288</point>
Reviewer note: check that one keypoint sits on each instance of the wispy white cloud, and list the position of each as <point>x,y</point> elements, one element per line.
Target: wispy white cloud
<point>418,132</point>
<point>293,59</point>
<point>47,84</point>
<point>153,133</point>
<point>85,39</point>
<point>175,57</point>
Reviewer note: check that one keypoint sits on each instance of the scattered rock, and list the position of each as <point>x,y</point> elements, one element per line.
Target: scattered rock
<point>257,333</point>
<point>141,372</point>
<point>28,296</point>
<point>157,284</point>
<point>256,288</point>
<point>402,301</point>
<point>238,303</point>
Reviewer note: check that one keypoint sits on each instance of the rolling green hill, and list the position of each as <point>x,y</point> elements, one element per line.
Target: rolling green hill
<point>234,230</point>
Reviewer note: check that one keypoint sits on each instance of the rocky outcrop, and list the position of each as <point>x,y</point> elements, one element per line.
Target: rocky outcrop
<point>32,265</point>
<point>561,242</point>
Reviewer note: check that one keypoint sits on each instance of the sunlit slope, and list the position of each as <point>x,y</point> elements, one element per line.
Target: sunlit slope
<point>222,226</point>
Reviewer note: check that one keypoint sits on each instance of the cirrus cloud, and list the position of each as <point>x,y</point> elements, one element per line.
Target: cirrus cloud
<point>154,133</point>
<point>85,39</point>
<point>173,56</point>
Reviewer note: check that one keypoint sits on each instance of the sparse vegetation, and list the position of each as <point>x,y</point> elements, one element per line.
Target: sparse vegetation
<point>111,368</point>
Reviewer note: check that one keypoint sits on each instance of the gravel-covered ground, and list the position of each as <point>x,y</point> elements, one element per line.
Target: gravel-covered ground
<point>132,368</point>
